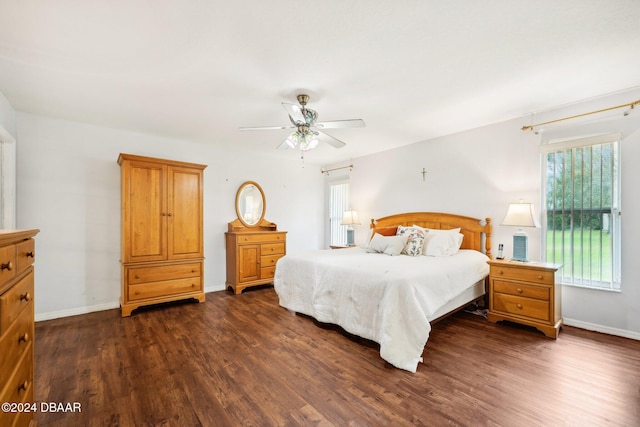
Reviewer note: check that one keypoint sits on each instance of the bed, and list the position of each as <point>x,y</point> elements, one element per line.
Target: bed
<point>391,300</point>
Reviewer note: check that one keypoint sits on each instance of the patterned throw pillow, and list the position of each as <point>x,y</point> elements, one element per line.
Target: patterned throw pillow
<point>415,240</point>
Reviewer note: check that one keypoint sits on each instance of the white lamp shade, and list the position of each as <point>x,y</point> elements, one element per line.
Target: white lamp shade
<point>521,215</point>
<point>350,217</point>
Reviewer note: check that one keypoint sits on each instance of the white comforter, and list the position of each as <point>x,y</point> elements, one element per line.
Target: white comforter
<point>387,299</point>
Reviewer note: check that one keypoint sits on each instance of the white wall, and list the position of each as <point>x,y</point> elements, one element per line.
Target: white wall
<point>478,172</point>
<point>7,164</point>
<point>69,188</point>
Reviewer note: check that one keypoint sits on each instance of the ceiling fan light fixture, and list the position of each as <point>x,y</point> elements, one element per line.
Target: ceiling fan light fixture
<point>309,141</point>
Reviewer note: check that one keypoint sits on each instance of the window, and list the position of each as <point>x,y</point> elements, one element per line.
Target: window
<point>338,203</point>
<point>582,216</point>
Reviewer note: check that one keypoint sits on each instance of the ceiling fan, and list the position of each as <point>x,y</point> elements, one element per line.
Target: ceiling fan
<point>308,133</point>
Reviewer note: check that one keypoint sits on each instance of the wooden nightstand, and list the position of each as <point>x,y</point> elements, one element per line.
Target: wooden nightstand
<point>526,293</point>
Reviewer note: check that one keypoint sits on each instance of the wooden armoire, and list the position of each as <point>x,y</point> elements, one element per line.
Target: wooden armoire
<point>162,231</point>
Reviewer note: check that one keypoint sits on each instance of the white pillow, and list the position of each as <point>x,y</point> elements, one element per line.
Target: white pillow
<point>442,242</point>
<point>415,240</point>
<point>390,245</point>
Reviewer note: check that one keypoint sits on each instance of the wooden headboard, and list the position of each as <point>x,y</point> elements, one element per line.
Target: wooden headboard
<point>472,228</point>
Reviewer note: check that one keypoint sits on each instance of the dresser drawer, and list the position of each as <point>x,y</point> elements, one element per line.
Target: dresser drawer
<point>519,273</point>
<point>269,261</point>
<point>267,272</point>
<point>271,249</point>
<point>15,300</point>
<point>164,288</point>
<point>8,266</point>
<point>154,274</point>
<point>19,384</point>
<point>260,238</point>
<point>527,307</point>
<point>25,254</point>
<point>520,289</point>
<point>16,341</point>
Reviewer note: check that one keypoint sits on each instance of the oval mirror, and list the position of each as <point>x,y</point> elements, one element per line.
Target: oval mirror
<point>250,204</point>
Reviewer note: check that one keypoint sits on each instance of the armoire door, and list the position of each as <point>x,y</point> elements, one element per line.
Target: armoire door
<point>184,213</point>
<point>144,207</point>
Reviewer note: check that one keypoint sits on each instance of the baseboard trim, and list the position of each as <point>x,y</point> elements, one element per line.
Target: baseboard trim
<point>603,329</point>
<point>39,317</point>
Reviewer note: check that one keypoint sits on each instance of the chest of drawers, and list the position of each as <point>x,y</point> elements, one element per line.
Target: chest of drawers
<point>252,257</point>
<point>525,293</point>
<point>17,255</point>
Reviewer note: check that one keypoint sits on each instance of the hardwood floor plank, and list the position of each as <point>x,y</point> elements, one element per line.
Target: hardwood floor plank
<point>243,360</point>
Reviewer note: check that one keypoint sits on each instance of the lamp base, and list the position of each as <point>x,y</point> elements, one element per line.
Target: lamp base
<point>520,246</point>
<point>350,237</point>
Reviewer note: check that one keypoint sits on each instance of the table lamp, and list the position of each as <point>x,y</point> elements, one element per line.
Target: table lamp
<point>521,215</point>
<point>350,218</point>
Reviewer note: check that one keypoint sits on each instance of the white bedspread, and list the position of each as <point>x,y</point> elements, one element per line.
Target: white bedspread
<point>387,299</point>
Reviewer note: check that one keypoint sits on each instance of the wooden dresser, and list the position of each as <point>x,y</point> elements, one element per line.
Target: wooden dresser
<point>162,231</point>
<point>252,254</point>
<point>526,293</point>
<point>17,255</point>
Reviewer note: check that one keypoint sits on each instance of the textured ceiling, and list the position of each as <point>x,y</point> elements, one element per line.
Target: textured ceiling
<point>412,69</point>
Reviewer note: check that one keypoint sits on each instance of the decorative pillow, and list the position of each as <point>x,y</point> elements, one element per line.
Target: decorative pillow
<point>390,245</point>
<point>415,240</point>
<point>442,242</point>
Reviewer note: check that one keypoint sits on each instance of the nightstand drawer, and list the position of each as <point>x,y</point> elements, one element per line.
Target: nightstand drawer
<point>522,290</point>
<point>527,307</point>
<point>524,274</point>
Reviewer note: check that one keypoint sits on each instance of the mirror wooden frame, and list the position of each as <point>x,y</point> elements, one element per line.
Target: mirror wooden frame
<point>259,220</point>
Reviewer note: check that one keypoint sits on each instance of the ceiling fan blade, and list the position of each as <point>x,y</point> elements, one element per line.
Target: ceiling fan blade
<point>336,124</point>
<point>267,127</point>
<point>335,142</point>
<point>295,112</point>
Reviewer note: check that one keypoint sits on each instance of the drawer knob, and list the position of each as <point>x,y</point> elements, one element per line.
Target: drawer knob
<point>193,270</point>
<point>31,254</point>
<point>519,305</point>
<point>26,297</point>
<point>540,277</point>
<point>519,290</point>
<point>23,386</point>
<point>8,266</point>
<point>500,272</point>
<point>23,338</point>
<point>137,276</point>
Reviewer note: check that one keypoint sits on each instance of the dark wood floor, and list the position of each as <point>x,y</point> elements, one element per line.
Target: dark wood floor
<point>243,360</point>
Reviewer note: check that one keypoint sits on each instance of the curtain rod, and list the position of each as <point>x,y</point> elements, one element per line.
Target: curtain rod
<point>336,169</point>
<point>632,105</point>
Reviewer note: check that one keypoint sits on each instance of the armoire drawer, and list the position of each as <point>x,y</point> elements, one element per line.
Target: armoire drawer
<point>137,275</point>
<point>164,288</point>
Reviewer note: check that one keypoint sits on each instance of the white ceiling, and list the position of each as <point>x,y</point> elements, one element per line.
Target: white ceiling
<point>412,69</point>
